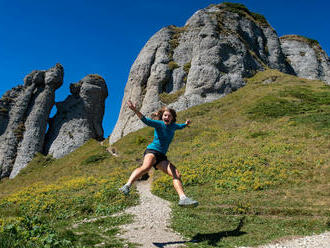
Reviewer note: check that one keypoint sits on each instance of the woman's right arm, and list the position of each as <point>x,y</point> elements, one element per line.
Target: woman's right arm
<point>133,108</point>
<point>147,121</point>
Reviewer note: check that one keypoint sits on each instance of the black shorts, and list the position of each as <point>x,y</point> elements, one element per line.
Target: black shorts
<point>159,156</point>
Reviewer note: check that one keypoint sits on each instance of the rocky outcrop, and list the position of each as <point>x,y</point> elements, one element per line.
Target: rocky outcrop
<point>24,115</point>
<point>24,119</point>
<point>78,118</point>
<point>209,57</point>
<point>306,57</point>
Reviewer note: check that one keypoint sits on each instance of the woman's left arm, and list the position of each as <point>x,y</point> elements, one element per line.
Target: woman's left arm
<point>181,126</point>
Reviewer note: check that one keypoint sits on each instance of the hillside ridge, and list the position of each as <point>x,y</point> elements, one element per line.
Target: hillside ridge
<point>260,153</point>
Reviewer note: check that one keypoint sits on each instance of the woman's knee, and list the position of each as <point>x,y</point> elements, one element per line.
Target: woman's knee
<point>178,175</point>
<point>174,172</point>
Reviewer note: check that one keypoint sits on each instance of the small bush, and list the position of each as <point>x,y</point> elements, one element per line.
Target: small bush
<point>173,97</point>
<point>172,65</point>
<point>186,67</point>
<point>95,159</point>
<point>140,140</point>
<point>259,18</point>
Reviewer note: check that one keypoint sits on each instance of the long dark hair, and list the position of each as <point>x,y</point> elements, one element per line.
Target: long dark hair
<point>159,114</point>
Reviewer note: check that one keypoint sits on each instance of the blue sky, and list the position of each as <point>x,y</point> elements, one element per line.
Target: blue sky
<point>105,37</point>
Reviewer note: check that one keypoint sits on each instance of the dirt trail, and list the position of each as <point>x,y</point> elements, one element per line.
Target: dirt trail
<point>150,227</point>
<point>151,221</point>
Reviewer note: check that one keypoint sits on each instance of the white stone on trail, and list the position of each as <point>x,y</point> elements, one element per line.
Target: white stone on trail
<point>315,241</point>
<point>151,222</point>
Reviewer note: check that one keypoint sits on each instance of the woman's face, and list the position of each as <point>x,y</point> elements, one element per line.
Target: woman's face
<point>167,117</point>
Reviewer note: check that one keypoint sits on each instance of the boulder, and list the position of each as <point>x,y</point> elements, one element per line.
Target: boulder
<point>79,117</point>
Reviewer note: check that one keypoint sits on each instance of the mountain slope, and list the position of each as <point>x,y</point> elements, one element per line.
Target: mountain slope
<point>257,160</point>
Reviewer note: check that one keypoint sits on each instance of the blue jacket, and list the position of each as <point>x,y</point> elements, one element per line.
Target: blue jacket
<point>163,134</point>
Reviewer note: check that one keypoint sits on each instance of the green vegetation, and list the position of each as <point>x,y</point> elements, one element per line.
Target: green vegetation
<point>173,65</point>
<point>19,131</point>
<point>252,155</point>
<point>41,205</point>
<point>96,158</point>
<point>257,160</point>
<point>245,12</point>
<point>186,67</point>
<point>174,41</point>
<point>167,98</point>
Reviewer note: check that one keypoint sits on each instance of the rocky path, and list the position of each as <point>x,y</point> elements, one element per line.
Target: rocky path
<point>150,227</point>
<point>151,221</point>
<point>315,241</point>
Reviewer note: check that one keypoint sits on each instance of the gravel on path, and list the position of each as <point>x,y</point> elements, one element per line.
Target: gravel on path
<point>314,241</point>
<point>151,222</point>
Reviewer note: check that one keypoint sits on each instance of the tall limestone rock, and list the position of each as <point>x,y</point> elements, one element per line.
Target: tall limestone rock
<point>78,118</point>
<point>23,119</point>
<point>306,57</point>
<point>209,57</point>
<point>24,114</point>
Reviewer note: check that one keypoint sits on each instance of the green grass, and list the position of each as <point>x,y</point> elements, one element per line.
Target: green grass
<point>257,160</point>
<point>261,153</point>
<point>39,207</point>
<point>168,98</point>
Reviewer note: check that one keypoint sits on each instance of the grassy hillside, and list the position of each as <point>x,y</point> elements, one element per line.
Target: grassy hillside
<point>257,160</point>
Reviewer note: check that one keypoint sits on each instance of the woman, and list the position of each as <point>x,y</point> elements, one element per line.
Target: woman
<point>155,154</point>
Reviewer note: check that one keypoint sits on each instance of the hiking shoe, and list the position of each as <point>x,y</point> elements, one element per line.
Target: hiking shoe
<point>125,189</point>
<point>187,202</point>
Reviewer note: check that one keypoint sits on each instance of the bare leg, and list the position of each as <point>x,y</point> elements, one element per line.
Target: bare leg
<point>148,161</point>
<point>172,171</point>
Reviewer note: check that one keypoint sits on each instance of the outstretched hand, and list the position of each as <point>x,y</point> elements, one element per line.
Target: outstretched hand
<point>188,122</point>
<point>131,105</point>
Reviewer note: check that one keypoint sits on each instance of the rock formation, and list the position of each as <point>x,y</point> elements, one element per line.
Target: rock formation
<point>78,118</point>
<point>306,57</point>
<point>209,57</point>
<point>24,119</point>
<point>24,114</point>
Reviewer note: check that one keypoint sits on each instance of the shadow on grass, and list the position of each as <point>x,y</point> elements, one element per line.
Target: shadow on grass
<point>211,238</point>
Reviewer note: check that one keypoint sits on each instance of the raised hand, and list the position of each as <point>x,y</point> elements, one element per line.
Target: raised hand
<point>131,105</point>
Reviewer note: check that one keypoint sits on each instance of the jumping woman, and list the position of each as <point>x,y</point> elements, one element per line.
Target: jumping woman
<point>155,154</point>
